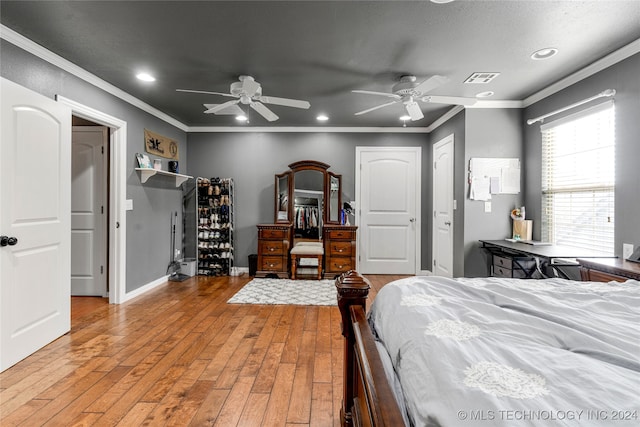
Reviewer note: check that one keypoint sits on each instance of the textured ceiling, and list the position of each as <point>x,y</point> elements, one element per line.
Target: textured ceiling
<point>320,50</point>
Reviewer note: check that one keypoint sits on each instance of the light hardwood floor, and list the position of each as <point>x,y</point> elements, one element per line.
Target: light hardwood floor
<point>180,355</point>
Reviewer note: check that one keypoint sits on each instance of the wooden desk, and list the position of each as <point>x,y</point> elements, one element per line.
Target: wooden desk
<point>606,270</point>
<point>544,255</point>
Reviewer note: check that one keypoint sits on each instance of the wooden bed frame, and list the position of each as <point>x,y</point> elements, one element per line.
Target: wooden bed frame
<point>368,398</point>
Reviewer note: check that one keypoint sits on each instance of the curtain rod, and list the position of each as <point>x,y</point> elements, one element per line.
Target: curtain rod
<point>606,93</point>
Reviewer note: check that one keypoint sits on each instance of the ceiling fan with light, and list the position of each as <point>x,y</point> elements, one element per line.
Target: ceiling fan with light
<point>408,92</point>
<point>248,92</point>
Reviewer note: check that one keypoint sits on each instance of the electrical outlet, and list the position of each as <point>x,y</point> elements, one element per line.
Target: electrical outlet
<point>627,250</point>
<point>487,207</point>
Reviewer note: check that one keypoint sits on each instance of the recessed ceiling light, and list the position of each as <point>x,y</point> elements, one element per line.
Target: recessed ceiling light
<point>441,1</point>
<point>545,53</point>
<point>405,118</point>
<point>241,118</point>
<point>145,77</point>
<point>322,118</point>
<point>486,94</point>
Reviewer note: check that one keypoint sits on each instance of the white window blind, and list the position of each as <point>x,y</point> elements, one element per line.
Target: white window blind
<point>578,179</point>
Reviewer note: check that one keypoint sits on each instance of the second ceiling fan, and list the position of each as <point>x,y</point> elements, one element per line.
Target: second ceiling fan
<point>408,92</point>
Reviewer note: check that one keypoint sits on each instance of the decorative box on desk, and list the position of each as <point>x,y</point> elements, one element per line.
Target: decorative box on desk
<point>608,269</point>
<point>274,242</point>
<point>339,249</point>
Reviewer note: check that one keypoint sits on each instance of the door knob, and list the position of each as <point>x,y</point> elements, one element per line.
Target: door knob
<point>412,220</point>
<point>6,240</point>
<point>447,223</point>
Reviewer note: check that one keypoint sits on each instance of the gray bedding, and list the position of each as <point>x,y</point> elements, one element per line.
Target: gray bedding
<point>510,352</point>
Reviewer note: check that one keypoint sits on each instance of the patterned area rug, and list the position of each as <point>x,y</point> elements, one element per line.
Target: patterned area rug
<point>285,291</point>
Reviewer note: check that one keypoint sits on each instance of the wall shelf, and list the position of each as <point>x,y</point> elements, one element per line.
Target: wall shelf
<point>146,173</point>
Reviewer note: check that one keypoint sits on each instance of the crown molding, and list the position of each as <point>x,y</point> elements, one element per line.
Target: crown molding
<point>597,66</point>
<point>307,129</point>
<point>68,66</point>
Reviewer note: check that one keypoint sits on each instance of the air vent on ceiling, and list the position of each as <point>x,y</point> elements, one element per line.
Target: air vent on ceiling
<point>481,78</point>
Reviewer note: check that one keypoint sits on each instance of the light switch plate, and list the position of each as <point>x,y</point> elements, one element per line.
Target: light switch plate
<point>627,250</point>
<point>128,204</point>
<point>487,207</point>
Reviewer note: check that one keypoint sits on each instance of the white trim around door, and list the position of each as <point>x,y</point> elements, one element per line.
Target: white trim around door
<point>117,194</point>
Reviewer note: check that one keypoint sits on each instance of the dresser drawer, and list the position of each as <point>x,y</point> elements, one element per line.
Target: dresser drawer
<point>338,248</point>
<point>504,262</point>
<point>341,234</point>
<point>507,272</point>
<point>269,233</point>
<point>339,264</point>
<point>501,271</point>
<point>272,263</point>
<point>271,247</point>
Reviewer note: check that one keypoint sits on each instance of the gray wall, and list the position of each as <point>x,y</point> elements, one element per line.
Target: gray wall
<point>624,78</point>
<point>489,133</point>
<point>252,160</point>
<point>148,225</point>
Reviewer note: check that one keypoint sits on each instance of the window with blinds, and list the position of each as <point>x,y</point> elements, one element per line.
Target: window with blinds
<point>578,179</point>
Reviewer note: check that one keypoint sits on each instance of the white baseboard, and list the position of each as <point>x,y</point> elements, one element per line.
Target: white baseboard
<point>424,273</point>
<point>145,288</point>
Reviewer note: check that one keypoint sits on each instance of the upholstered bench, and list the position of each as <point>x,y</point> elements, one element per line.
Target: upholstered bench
<point>306,251</point>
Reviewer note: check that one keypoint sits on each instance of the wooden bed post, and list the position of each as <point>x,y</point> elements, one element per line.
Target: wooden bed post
<point>353,289</point>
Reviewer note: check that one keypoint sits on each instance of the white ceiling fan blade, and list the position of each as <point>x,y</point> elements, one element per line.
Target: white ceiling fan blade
<point>413,109</point>
<point>264,111</point>
<point>374,108</point>
<point>206,92</point>
<point>284,101</point>
<point>453,100</point>
<point>221,107</point>
<point>431,83</point>
<point>233,110</point>
<point>369,92</point>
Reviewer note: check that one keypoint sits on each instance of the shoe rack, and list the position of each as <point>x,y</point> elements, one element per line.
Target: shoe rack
<point>215,226</point>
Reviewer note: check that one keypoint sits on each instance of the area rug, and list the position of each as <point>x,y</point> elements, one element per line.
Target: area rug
<point>285,291</point>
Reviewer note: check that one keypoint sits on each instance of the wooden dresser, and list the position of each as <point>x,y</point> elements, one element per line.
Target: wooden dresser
<point>274,242</point>
<point>339,249</point>
<point>608,269</point>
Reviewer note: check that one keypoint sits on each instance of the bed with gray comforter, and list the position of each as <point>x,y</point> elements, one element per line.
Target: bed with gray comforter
<point>510,352</point>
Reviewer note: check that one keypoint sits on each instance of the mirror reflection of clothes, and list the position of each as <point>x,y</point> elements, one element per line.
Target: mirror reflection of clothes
<point>306,217</point>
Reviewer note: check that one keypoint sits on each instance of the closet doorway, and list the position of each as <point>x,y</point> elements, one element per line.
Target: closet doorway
<point>89,208</point>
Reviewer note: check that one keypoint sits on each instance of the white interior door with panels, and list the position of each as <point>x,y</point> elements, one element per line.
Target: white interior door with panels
<point>443,207</point>
<point>35,159</point>
<point>388,190</point>
<point>89,211</point>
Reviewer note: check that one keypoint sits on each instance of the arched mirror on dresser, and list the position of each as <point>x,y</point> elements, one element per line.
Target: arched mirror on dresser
<point>308,201</point>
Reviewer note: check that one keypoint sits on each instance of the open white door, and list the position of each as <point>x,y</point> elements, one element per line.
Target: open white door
<point>35,160</point>
<point>387,188</point>
<point>443,207</point>
<point>88,211</point>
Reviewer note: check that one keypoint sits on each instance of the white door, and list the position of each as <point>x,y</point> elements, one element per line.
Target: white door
<point>35,165</point>
<point>388,181</point>
<point>88,211</point>
<point>443,207</point>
